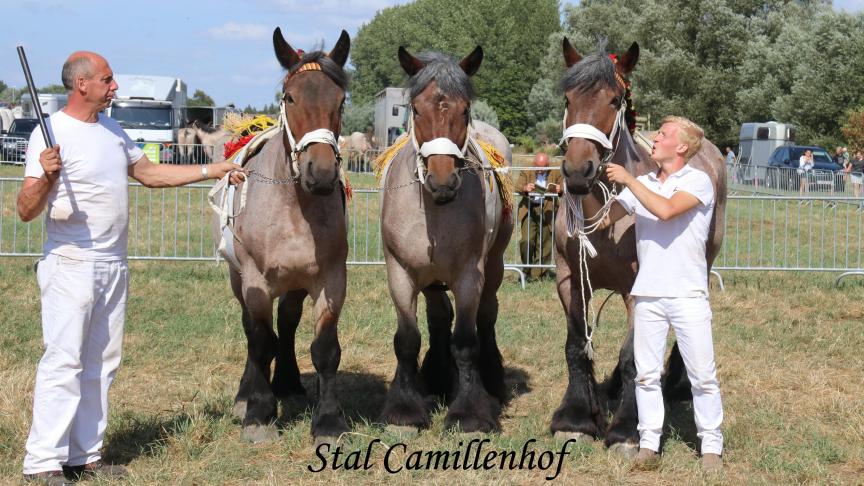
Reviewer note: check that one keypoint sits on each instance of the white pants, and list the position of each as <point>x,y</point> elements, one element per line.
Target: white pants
<point>691,320</point>
<point>83,309</point>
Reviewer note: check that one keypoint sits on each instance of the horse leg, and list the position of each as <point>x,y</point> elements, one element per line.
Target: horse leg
<point>258,424</point>
<point>491,364</point>
<point>245,387</point>
<point>327,420</point>
<point>405,405</point>
<point>286,374</point>
<point>676,383</point>
<point>622,435</point>
<point>580,415</point>
<point>473,409</point>
<point>436,370</point>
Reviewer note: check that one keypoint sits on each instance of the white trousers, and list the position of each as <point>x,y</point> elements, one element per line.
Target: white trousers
<point>691,320</point>
<point>83,309</point>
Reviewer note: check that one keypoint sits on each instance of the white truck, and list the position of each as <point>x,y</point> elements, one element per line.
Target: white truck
<point>147,107</point>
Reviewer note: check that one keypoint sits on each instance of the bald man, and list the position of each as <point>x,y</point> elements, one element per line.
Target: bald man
<point>535,214</point>
<point>83,275</point>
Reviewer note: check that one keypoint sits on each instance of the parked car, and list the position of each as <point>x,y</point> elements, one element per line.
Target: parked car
<point>783,169</point>
<point>14,143</point>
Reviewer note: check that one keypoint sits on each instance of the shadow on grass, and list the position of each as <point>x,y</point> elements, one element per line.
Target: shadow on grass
<point>133,436</point>
<point>361,396</point>
<point>517,381</point>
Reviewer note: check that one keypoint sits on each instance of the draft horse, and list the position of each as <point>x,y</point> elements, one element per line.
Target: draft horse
<point>596,91</point>
<point>443,227</point>
<point>291,242</point>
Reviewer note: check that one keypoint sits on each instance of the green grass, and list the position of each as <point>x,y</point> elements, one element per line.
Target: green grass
<point>788,350</point>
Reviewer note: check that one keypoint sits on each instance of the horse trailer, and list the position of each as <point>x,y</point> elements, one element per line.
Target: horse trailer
<point>758,141</point>
<point>391,116</point>
<point>49,102</point>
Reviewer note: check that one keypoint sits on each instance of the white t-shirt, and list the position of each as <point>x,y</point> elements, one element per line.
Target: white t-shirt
<point>671,253</point>
<point>88,208</point>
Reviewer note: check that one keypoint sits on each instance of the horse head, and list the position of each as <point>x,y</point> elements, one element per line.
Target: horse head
<point>441,94</point>
<point>313,93</point>
<point>595,89</point>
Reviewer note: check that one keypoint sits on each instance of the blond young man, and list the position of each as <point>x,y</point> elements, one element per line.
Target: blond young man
<point>673,207</point>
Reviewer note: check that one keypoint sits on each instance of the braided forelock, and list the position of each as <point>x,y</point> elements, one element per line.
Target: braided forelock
<point>328,67</point>
<point>591,70</point>
<point>447,74</point>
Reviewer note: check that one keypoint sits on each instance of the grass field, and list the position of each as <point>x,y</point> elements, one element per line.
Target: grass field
<point>788,348</point>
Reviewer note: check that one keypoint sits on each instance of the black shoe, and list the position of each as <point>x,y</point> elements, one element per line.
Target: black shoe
<point>48,478</point>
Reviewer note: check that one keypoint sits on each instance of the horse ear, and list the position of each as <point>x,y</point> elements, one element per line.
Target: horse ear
<point>339,54</point>
<point>571,57</point>
<point>409,63</point>
<point>627,62</point>
<point>472,61</point>
<point>284,53</point>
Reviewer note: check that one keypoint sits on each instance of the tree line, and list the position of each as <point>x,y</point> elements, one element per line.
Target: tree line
<point>719,62</point>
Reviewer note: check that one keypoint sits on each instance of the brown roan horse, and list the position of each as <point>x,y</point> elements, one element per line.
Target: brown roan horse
<point>291,242</point>
<point>446,232</point>
<point>594,88</point>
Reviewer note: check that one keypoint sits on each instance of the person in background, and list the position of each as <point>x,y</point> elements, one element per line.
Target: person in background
<point>805,165</point>
<point>535,215</point>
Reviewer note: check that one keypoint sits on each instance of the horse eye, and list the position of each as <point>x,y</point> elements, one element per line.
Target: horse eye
<point>289,99</point>
<point>414,110</point>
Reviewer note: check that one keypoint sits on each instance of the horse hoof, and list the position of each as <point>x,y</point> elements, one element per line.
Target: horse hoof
<point>403,430</point>
<point>579,437</point>
<point>258,434</point>
<point>627,450</point>
<point>239,409</point>
<point>330,440</point>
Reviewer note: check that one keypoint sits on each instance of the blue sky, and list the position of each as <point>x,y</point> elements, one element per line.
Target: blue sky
<point>223,47</point>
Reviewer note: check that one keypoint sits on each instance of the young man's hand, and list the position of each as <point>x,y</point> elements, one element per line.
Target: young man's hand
<point>618,174</point>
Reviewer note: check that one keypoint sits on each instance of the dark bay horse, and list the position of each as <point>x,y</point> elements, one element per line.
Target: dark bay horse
<point>595,88</point>
<point>291,242</point>
<point>443,226</point>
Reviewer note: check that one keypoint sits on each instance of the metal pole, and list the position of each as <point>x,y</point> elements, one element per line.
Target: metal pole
<point>33,96</point>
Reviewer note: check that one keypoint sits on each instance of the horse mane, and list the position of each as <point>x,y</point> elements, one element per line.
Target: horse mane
<point>591,70</point>
<point>451,79</point>
<point>328,66</point>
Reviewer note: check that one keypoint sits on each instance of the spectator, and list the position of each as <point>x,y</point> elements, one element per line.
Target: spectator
<point>535,215</point>
<point>856,174</point>
<point>732,163</point>
<point>805,165</point>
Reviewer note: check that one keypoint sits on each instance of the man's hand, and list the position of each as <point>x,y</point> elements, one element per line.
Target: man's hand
<point>219,169</point>
<point>528,187</point>
<point>618,174</point>
<point>49,159</point>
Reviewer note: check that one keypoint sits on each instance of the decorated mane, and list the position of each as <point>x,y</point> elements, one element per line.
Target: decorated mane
<point>320,62</point>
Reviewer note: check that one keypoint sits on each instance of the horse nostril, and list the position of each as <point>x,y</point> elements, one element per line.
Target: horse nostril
<point>589,167</point>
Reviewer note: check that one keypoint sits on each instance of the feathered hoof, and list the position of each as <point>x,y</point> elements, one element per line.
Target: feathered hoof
<point>627,450</point>
<point>330,440</point>
<point>579,437</point>
<point>239,410</point>
<point>258,434</point>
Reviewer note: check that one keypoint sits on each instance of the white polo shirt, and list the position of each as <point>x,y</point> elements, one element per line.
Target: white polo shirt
<point>88,207</point>
<point>671,253</point>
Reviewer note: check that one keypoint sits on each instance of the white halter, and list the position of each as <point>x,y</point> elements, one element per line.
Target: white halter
<point>320,135</point>
<point>438,146</point>
<point>590,132</point>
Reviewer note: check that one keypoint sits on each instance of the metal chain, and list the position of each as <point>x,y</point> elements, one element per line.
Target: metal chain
<point>267,180</point>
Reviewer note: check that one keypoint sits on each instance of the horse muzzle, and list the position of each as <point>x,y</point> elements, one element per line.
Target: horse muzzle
<point>319,177</point>
<point>579,179</point>
<point>444,193</point>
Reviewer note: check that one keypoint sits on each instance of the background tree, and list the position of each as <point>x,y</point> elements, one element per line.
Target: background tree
<point>511,33</point>
<point>853,129</point>
<point>483,111</point>
<point>200,98</point>
<point>358,118</point>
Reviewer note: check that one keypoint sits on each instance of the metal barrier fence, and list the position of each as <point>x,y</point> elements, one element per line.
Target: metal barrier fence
<point>763,231</point>
<point>788,182</point>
